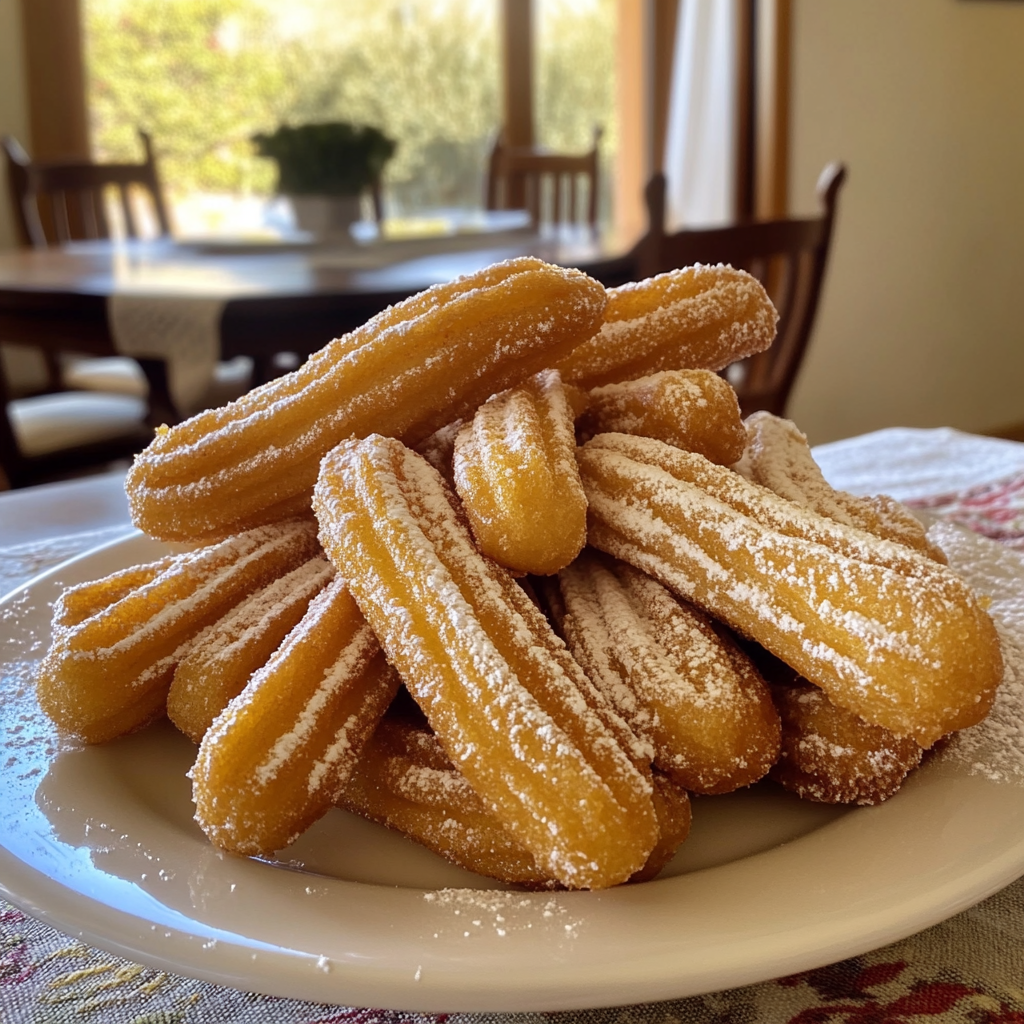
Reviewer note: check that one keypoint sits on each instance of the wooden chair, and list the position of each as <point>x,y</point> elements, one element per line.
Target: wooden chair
<point>788,256</point>
<point>63,201</point>
<point>547,184</point>
<point>92,410</point>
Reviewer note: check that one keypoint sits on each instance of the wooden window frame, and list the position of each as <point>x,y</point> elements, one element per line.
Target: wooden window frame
<point>58,119</point>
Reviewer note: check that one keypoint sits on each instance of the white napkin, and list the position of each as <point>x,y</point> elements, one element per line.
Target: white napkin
<point>910,463</point>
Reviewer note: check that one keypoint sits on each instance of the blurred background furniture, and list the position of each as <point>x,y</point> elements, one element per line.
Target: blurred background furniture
<point>788,256</point>
<point>98,408</point>
<point>300,296</point>
<point>45,437</point>
<point>557,188</point>
<point>62,201</point>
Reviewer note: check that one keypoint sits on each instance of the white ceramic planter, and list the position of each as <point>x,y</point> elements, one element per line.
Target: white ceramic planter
<point>327,217</point>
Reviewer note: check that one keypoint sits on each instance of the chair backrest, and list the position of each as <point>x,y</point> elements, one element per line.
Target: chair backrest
<point>557,188</point>
<point>62,201</point>
<point>788,257</point>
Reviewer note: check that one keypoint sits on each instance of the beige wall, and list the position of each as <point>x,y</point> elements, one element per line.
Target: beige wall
<point>13,110</point>
<point>922,321</point>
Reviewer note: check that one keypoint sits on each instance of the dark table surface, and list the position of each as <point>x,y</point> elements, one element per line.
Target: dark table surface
<point>291,297</point>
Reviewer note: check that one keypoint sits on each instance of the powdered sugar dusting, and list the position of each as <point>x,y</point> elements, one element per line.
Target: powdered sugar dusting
<point>994,747</point>
<point>472,910</point>
<point>852,613</point>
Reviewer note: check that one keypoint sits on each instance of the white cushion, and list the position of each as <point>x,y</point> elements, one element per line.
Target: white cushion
<point>121,375</point>
<point>117,374</point>
<point>49,423</point>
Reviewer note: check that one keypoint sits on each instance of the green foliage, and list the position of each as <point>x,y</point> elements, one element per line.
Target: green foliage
<point>201,76</point>
<point>205,76</point>
<point>576,82</point>
<point>333,158</point>
<point>427,75</point>
<point>575,74</point>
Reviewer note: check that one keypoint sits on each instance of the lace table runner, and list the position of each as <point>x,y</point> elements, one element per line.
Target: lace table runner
<point>967,969</point>
<point>183,332</point>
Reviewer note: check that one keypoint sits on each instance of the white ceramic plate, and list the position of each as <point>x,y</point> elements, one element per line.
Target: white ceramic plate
<point>100,842</point>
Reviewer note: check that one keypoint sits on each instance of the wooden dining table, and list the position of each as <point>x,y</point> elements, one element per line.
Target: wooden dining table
<point>277,296</point>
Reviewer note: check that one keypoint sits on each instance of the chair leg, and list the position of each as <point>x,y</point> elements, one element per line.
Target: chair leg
<point>161,405</point>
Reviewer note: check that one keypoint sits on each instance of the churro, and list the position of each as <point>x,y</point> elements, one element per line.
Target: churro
<point>887,633</point>
<point>407,372</point>
<point>778,457</point>
<point>277,757</point>
<point>223,657</point>
<point>692,409</point>
<point>109,673</point>
<point>405,781</point>
<point>672,809</point>
<point>81,602</point>
<point>831,756</point>
<point>515,471</point>
<point>687,688</point>
<point>699,317</point>
<point>507,701</point>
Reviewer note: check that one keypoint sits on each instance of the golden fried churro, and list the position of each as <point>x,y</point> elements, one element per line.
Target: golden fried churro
<point>700,317</point>
<point>109,673</point>
<point>408,371</point>
<point>831,756</point>
<point>692,692</point>
<point>778,457</point>
<point>887,633</point>
<point>497,686</point>
<point>692,409</point>
<point>672,808</point>
<point>277,757</point>
<point>223,657</point>
<point>405,781</point>
<point>81,602</point>
<point>515,471</point>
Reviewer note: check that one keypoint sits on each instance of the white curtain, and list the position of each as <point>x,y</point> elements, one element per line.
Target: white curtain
<point>700,144</point>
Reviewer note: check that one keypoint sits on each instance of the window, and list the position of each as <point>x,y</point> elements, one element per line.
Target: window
<point>204,75</point>
<point>575,80</point>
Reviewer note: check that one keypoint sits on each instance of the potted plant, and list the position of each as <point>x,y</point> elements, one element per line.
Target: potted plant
<point>324,169</point>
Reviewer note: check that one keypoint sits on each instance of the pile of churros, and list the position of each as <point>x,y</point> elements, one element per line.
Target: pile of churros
<point>505,570</point>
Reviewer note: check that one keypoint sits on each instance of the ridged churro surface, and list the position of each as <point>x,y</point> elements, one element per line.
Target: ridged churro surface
<point>109,673</point>
<point>224,656</point>
<point>515,471</point>
<point>887,633</point>
<point>778,457</point>
<point>699,317</point>
<point>697,698</point>
<point>497,686</point>
<point>405,781</point>
<point>831,756</point>
<point>408,371</point>
<point>277,757</point>
<point>692,409</point>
